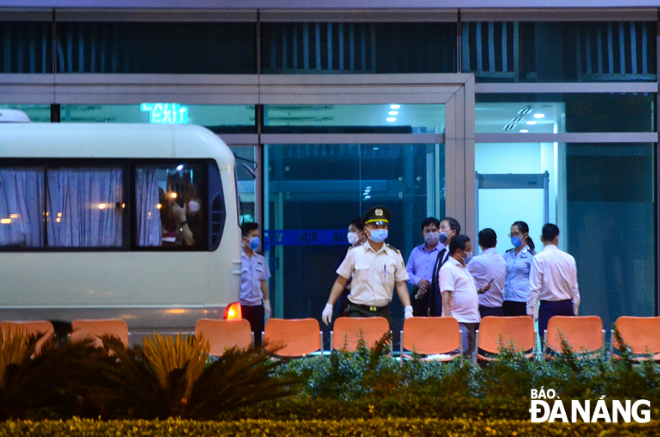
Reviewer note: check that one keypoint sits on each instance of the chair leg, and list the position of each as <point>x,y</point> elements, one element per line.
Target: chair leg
<point>476,347</point>
<point>263,338</point>
<point>603,348</point>
<point>321,335</point>
<point>252,338</point>
<point>332,342</point>
<point>544,344</point>
<point>611,344</point>
<point>401,347</point>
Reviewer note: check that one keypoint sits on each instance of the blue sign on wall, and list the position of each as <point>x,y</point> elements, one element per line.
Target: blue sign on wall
<point>166,113</point>
<point>306,237</point>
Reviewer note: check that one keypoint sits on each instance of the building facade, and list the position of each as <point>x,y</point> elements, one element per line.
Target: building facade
<point>486,115</point>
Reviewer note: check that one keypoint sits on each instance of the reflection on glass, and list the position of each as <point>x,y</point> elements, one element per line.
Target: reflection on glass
<point>598,194</point>
<point>218,118</point>
<point>568,112</point>
<point>245,164</point>
<point>390,118</point>
<point>36,113</point>
<point>314,188</point>
<point>556,52</point>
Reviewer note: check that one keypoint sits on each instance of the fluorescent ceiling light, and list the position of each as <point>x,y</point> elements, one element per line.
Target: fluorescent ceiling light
<point>531,122</point>
<point>393,112</point>
<point>390,119</point>
<point>395,106</point>
<point>539,115</point>
<point>523,130</point>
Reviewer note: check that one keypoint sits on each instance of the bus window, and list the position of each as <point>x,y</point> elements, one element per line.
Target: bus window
<point>169,207</point>
<point>85,207</point>
<point>21,207</point>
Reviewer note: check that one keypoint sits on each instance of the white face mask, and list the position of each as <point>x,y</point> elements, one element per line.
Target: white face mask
<point>352,238</point>
<point>193,206</point>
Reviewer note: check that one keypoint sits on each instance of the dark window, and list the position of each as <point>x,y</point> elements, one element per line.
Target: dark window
<point>547,52</point>
<point>177,48</point>
<point>358,47</point>
<point>26,47</point>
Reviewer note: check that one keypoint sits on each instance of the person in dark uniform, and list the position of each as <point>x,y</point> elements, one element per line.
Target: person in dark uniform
<point>376,268</point>
<point>355,237</point>
<point>449,228</point>
<point>421,263</point>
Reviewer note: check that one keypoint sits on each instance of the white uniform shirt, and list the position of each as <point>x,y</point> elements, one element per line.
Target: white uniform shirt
<point>367,266</point>
<point>486,266</point>
<point>253,271</point>
<point>553,276</point>
<point>457,280</point>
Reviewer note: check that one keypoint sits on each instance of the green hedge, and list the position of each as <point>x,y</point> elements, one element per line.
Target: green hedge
<point>358,427</point>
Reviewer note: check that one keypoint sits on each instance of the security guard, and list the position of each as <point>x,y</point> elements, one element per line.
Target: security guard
<point>377,268</point>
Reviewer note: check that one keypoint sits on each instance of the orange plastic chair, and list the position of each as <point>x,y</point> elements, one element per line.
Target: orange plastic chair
<point>224,334</point>
<point>431,336</point>
<point>347,331</point>
<point>293,337</point>
<point>32,328</point>
<point>640,334</point>
<point>85,329</point>
<point>497,332</point>
<point>583,334</point>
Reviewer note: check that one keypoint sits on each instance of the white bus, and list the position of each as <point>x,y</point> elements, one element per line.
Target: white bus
<point>138,222</point>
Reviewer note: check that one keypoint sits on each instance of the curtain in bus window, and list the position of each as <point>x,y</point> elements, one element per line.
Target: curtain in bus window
<point>21,207</point>
<point>85,207</point>
<point>147,211</point>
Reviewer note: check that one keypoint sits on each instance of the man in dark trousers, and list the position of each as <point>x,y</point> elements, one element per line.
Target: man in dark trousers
<point>449,228</point>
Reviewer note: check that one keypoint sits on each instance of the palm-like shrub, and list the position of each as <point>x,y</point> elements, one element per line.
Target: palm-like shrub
<point>171,378</point>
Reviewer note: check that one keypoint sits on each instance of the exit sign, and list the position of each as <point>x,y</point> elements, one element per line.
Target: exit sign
<point>166,113</point>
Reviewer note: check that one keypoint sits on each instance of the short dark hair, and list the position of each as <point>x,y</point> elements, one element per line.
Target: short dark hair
<point>453,224</point>
<point>428,221</point>
<point>550,232</point>
<point>458,243</point>
<point>357,222</point>
<point>487,238</point>
<point>247,227</point>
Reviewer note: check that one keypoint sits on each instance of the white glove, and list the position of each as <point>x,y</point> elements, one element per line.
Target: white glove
<point>327,314</point>
<point>268,312</point>
<point>408,312</point>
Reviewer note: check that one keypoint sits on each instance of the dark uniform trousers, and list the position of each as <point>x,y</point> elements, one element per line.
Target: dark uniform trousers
<point>512,308</point>
<point>551,308</point>
<point>255,315</point>
<point>355,310</point>
<point>490,311</point>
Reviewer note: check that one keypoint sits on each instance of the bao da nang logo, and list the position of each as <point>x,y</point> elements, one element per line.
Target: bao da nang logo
<point>548,407</point>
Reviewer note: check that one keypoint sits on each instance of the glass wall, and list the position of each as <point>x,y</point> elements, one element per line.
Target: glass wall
<point>601,197</point>
<point>36,113</point>
<point>246,176</point>
<point>314,190</point>
<point>218,118</point>
<point>568,112</point>
<point>391,118</point>
<point>25,47</point>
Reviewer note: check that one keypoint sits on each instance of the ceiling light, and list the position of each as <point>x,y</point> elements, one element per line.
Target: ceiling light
<point>390,119</point>
<point>393,112</point>
<point>531,122</point>
<point>180,167</point>
<point>539,115</point>
<point>523,130</point>
<point>395,106</point>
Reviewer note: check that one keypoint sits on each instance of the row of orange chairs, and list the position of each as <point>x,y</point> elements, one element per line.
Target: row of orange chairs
<point>434,337</point>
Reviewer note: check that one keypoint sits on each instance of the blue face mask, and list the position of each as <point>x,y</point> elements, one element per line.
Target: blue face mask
<point>378,235</point>
<point>442,237</point>
<point>516,241</point>
<point>255,243</point>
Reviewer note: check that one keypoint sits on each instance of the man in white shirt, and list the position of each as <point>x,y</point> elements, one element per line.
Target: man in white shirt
<point>553,281</point>
<point>459,292</point>
<point>489,268</point>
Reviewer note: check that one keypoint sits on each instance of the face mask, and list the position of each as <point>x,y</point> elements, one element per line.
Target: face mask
<point>352,238</point>
<point>442,237</point>
<point>193,206</point>
<point>254,243</point>
<point>516,241</point>
<point>378,235</point>
<point>468,257</point>
<point>431,238</point>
